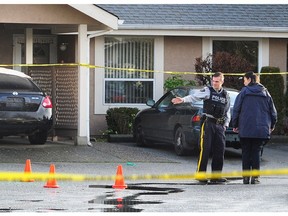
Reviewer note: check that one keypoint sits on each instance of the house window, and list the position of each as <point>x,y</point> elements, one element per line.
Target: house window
<point>246,49</point>
<point>123,84</point>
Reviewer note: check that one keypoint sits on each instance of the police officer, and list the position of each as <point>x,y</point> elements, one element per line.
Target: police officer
<point>215,120</point>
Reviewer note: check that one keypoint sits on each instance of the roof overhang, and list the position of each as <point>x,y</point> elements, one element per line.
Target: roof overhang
<point>202,31</point>
<point>58,18</point>
<point>106,20</point>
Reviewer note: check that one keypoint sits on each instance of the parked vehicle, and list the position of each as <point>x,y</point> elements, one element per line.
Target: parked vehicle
<point>24,108</point>
<point>176,124</point>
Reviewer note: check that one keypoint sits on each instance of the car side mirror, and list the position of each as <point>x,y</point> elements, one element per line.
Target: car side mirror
<point>150,102</point>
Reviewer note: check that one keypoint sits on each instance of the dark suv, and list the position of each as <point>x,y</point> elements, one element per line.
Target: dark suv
<point>24,108</point>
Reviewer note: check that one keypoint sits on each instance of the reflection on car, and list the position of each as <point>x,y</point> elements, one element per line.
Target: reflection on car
<point>177,124</point>
<point>24,108</point>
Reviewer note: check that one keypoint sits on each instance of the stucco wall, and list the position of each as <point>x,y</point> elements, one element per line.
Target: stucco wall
<point>278,55</point>
<point>180,54</point>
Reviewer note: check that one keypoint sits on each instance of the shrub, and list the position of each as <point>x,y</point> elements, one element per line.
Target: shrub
<point>223,62</point>
<point>175,81</point>
<point>275,85</point>
<point>119,120</point>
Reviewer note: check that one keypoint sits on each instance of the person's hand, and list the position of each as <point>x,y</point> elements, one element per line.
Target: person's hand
<point>235,130</point>
<point>271,129</point>
<point>177,100</point>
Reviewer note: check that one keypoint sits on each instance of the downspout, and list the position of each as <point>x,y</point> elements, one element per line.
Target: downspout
<point>88,107</point>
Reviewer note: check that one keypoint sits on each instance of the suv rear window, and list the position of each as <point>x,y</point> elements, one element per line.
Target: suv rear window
<point>10,82</point>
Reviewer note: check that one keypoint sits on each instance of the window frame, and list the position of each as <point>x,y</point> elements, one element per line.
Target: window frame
<point>263,47</point>
<point>99,88</point>
<point>122,57</point>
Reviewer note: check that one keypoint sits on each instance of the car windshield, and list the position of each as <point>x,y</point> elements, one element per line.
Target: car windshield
<point>232,94</point>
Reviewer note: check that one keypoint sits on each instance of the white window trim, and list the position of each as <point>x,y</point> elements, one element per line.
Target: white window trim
<point>99,106</point>
<point>263,49</point>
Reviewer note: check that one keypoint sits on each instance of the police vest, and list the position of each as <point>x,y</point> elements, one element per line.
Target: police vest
<point>216,104</point>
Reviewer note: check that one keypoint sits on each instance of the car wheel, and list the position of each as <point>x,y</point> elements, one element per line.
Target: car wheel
<point>179,142</point>
<point>38,138</point>
<point>139,137</point>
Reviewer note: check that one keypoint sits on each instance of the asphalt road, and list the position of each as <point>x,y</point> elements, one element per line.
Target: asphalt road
<point>144,195</point>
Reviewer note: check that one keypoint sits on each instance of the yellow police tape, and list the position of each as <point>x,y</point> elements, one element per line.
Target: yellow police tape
<point>17,176</point>
<point>130,69</point>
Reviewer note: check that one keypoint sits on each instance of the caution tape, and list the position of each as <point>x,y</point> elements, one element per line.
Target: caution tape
<point>17,176</point>
<point>132,69</point>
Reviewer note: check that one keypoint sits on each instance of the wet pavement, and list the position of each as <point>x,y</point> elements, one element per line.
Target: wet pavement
<point>145,195</point>
<point>17,150</point>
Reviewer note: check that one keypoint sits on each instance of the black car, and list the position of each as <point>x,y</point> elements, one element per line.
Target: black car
<point>176,124</point>
<point>24,108</point>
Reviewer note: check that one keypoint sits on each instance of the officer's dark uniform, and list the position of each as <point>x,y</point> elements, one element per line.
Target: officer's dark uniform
<point>212,134</point>
<point>216,116</point>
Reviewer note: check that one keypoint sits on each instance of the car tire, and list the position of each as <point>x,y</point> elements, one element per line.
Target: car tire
<point>139,137</point>
<point>38,138</point>
<point>180,142</point>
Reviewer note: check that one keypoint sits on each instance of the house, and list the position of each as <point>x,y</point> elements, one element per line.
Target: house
<point>171,37</point>
<point>108,43</point>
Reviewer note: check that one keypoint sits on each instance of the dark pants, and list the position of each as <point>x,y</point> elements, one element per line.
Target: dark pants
<point>212,142</point>
<point>251,148</point>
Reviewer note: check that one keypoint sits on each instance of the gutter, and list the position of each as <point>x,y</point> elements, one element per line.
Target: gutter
<point>202,28</point>
<point>92,35</point>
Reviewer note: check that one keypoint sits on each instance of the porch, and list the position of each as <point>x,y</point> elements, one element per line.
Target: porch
<point>61,84</point>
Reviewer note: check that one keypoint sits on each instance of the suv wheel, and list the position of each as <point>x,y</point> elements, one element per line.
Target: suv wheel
<point>38,138</point>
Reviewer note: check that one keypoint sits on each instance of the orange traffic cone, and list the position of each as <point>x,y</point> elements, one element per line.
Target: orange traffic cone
<point>51,183</point>
<point>119,182</point>
<point>27,170</point>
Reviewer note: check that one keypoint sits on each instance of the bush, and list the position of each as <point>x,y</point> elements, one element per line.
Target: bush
<point>223,62</point>
<point>175,81</point>
<point>120,120</point>
<point>275,85</point>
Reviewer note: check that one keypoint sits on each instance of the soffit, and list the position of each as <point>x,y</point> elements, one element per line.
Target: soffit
<point>57,18</point>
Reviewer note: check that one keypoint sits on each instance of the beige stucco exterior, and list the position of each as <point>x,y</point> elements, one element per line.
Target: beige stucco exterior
<point>278,53</point>
<point>180,54</point>
<point>278,56</point>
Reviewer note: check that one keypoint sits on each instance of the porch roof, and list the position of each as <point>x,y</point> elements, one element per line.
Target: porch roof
<point>59,18</point>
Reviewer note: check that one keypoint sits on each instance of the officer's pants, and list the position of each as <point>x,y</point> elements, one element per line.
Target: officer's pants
<point>212,142</point>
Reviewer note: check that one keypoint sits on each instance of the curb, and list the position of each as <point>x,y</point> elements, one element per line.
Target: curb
<point>279,139</point>
<point>120,138</point>
<point>129,138</point>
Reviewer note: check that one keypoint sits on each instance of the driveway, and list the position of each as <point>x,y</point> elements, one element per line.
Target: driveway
<point>148,195</point>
